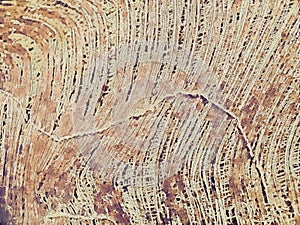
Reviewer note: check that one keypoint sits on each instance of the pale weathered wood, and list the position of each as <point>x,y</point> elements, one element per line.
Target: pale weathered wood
<point>149,112</point>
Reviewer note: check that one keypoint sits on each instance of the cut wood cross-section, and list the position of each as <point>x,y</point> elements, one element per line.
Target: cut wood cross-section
<point>150,112</point>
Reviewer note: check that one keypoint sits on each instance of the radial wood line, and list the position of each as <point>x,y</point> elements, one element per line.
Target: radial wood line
<point>150,112</point>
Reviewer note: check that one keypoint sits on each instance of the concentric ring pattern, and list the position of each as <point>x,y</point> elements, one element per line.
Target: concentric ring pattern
<point>149,112</point>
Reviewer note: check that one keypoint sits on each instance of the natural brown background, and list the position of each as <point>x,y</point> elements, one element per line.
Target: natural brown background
<point>49,54</point>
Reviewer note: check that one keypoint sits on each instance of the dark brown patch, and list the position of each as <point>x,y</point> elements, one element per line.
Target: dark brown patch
<point>2,191</point>
<point>5,218</point>
<point>113,207</point>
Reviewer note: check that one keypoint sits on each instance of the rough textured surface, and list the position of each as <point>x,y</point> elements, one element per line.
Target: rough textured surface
<point>149,112</point>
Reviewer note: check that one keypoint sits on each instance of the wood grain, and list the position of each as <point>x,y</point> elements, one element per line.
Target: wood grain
<point>149,112</point>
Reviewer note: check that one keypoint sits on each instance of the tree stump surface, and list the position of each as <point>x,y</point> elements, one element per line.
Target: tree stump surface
<point>149,112</point>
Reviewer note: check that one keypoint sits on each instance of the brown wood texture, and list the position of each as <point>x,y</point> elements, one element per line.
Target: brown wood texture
<point>149,112</point>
